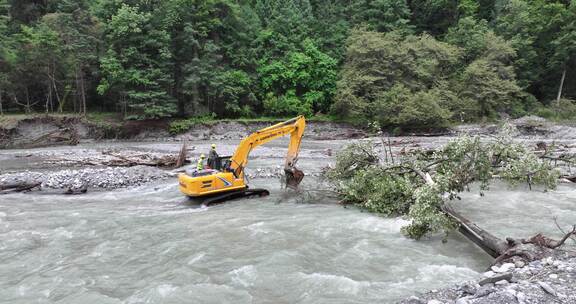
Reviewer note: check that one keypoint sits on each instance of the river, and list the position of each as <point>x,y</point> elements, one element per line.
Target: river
<point>149,245</point>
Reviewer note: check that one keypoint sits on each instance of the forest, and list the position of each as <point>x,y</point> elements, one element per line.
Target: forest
<point>386,62</point>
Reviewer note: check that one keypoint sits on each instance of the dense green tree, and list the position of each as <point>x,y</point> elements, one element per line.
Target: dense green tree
<point>27,11</point>
<point>564,58</point>
<point>213,57</point>
<point>330,26</point>
<point>469,34</point>
<point>308,75</point>
<point>401,107</point>
<point>78,35</point>
<point>286,23</point>
<point>491,86</point>
<point>136,63</point>
<point>376,62</point>
<point>159,58</point>
<point>434,16</point>
<point>4,50</point>
<point>531,27</point>
<point>382,15</point>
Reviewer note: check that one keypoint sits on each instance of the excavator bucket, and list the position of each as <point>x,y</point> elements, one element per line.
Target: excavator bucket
<point>294,177</point>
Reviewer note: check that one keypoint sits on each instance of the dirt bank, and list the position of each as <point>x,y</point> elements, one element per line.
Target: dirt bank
<point>46,131</point>
<point>43,131</point>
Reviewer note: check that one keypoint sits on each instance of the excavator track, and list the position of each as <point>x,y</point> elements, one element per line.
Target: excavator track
<point>218,199</point>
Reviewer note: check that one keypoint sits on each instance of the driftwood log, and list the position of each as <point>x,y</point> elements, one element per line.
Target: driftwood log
<point>18,187</point>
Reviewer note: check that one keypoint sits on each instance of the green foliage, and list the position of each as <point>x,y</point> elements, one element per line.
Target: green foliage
<point>376,191</point>
<point>353,158</point>
<point>287,105</point>
<point>434,16</point>
<point>181,126</point>
<point>382,15</point>
<point>565,110</point>
<point>420,185</point>
<point>426,214</point>
<point>456,60</point>
<point>491,86</point>
<point>302,82</point>
<point>471,35</point>
<point>400,107</point>
<point>394,79</point>
<point>540,32</point>
<point>135,65</point>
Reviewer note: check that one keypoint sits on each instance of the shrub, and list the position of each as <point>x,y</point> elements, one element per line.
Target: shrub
<point>400,107</point>
<point>287,105</point>
<point>181,126</point>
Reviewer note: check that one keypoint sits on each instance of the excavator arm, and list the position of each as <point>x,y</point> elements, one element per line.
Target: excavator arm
<point>295,127</point>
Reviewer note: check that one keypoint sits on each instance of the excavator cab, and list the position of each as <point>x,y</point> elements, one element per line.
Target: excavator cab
<point>227,182</point>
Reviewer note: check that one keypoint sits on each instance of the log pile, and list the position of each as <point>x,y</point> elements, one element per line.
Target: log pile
<point>142,159</point>
<point>119,158</point>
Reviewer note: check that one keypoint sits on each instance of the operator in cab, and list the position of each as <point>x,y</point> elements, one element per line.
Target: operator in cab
<point>213,158</point>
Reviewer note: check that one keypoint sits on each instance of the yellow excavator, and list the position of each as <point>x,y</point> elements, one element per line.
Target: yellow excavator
<point>216,185</point>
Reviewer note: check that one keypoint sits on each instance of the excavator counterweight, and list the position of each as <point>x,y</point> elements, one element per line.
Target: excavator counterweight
<point>215,186</point>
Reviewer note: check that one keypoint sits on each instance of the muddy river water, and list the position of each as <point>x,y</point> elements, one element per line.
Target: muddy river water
<point>149,245</point>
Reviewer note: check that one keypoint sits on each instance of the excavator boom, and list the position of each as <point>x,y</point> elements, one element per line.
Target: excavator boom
<point>220,185</point>
<point>295,127</point>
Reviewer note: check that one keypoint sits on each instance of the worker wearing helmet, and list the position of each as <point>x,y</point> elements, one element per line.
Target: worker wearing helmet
<point>213,158</point>
<point>200,165</point>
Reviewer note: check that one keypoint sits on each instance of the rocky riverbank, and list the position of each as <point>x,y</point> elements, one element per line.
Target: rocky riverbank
<point>550,280</point>
<point>88,178</point>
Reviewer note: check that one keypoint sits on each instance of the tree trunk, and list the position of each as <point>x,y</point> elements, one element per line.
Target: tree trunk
<point>28,110</point>
<point>82,92</point>
<point>55,87</point>
<point>491,244</point>
<point>195,86</point>
<point>1,108</point>
<point>561,87</point>
<point>48,97</point>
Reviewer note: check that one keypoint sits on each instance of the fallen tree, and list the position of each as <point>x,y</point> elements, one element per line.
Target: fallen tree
<point>421,185</point>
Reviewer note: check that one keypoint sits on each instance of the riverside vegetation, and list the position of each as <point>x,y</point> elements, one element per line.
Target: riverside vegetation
<point>405,64</point>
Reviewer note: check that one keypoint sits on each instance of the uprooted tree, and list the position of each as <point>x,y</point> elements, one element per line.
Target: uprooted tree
<point>421,185</point>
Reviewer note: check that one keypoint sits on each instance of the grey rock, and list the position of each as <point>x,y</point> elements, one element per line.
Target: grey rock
<point>547,288</point>
<point>496,278</point>
<point>519,264</point>
<point>484,291</point>
<point>468,289</point>
<point>464,300</point>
